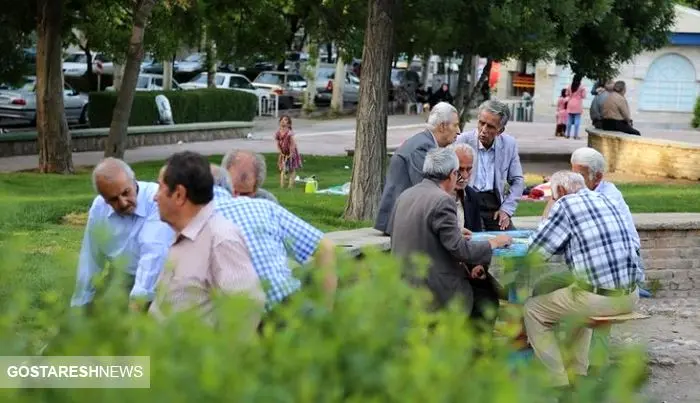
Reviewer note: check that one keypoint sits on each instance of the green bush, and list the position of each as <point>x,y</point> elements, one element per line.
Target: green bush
<point>696,115</point>
<point>205,105</point>
<point>374,346</point>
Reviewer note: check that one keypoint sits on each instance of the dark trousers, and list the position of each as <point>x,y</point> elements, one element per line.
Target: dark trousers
<point>486,294</point>
<point>620,126</point>
<point>489,204</point>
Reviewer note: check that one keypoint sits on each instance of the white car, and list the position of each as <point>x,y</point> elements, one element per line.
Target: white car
<point>75,64</point>
<point>230,81</point>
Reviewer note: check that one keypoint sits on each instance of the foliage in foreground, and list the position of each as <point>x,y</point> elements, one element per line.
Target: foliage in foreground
<point>374,346</point>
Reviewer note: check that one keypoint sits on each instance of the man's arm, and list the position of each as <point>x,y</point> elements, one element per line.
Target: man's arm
<point>444,223</point>
<point>414,164</point>
<point>90,262</point>
<point>516,180</point>
<point>553,233</point>
<point>154,240</point>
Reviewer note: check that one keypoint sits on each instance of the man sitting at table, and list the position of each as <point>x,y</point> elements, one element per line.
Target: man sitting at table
<point>425,221</point>
<point>593,236</point>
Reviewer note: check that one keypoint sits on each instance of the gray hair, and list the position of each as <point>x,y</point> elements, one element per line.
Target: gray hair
<point>619,86</point>
<point>464,147</point>
<point>590,158</point>
<point>497,107</point>
<point>440,163</point>
<point>259,164</point>
<point>441,114</point>
<point>572,182</point>
<point>110,167</point>
<point>221,178</point>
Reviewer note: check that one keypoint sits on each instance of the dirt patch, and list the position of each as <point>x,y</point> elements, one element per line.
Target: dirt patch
<point>75,219</point>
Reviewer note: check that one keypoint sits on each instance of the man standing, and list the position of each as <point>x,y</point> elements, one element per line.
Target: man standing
<point>498,163</point>
<point>406,163</point>
<point>426,219</point>
<point>209,255</point>
<point>596,109</point>
<point>587,228</point>
<point>123,228</point>
<point>248,171</point>
<point>272,233</point>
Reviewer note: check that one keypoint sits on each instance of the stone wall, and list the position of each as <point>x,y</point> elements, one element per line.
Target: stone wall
<point>24,143</point>
<point>647,156</point>
<point>670,249</point>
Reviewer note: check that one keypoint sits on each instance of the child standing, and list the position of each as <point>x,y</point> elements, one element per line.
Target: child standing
<point>289,159</point>
<point>562,114</point>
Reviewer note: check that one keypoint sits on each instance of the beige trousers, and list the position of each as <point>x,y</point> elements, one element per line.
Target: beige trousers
<point>544,312</point>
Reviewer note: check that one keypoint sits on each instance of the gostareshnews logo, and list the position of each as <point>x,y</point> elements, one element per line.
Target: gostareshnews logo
<point>76,372</point>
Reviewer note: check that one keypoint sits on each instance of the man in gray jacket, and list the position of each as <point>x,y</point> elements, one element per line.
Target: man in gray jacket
<point>425,221</point>
<point>596,109</point>
<point>407,162</point>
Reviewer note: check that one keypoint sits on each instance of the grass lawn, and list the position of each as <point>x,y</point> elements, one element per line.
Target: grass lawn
<point>39,246</point>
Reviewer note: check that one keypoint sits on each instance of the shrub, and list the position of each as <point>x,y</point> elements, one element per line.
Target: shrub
<point>205,105</point>
<point>696,115</point>
<point>373,347</point>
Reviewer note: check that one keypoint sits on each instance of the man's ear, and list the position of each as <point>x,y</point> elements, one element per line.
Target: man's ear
<point>502,130</point>
<point>561,192</point>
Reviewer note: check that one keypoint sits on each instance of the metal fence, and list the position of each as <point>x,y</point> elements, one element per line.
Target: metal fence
<point>521,111</point>
<point>269,105</point>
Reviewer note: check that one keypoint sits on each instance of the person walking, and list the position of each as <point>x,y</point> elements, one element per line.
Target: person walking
<point>289,159</point>
<point>574,106</point>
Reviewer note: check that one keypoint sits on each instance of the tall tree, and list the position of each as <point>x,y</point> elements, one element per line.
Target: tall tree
<point>116,142</point>
<point>370,156</point>
<point>53,137</point>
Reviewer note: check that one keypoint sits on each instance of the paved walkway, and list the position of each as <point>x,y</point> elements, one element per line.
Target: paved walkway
<point>332,137</point>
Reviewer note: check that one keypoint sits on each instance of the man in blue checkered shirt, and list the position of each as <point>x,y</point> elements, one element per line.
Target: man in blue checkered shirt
<point>588,229</point>
<point>272,233</point>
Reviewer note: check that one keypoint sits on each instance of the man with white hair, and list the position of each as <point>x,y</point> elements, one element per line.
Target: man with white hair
<point>425,221</point>
<point>247,170</point>
<point>123,228</point>
<point>593,236</point>
<point>497,163</point>
<point>405,167</point>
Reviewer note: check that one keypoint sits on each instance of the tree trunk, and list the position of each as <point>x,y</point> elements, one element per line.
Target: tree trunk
<point>329,51</point>
<point>463,85</point>
<point>168,75</point>
<point>464,114</point>
<point>310,75</point>
<point>53,137</point>
<point>116,142</point>
<point>426,70</point>
<point>369,162</point>
<point>338,86</point>
<point>211,63</point>
<point>118,76</point>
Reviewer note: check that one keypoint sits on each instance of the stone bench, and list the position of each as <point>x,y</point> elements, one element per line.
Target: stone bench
<point>389,149</point>
<point>646,156</point>
<point>670,249</point>
<point>25,143</point>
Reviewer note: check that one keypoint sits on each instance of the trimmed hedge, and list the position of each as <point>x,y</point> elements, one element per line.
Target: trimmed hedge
<point>696,115</point>
<point>192,106</point>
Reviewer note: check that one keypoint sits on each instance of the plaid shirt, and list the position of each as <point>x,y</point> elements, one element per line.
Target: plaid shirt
<point>271,233</point>
<point>594,238</point>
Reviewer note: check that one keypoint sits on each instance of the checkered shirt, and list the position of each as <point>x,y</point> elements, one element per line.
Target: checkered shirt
<point>272,234</point>
<point>594,237</point>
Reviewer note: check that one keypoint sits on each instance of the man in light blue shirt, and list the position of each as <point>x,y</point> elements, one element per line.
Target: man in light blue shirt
<point>123,229</point>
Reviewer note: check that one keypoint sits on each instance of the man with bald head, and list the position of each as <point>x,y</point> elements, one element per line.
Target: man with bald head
<point>247,170</point>
<point>124,229</point>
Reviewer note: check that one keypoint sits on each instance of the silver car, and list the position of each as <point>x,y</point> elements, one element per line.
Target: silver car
<point>325,77</point>
<point>20,102</point>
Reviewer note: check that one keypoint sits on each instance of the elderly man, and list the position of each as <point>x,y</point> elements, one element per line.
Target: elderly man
<point>616,111</point>
<point>124,228</point>
<point>596,109</point>
<point>426,219</point>
<point>497,163</point>
<point>593,236</point>
<point>209,254</point>
<point>406,163</point>
<point>248,171</point>
<point>271,232</point>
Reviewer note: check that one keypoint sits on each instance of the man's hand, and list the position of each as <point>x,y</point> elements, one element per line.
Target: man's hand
<point>500,241</point>
<point>466,233</point>
<point>503,219</point>
<point>478,272</point>
<point>135,306</point>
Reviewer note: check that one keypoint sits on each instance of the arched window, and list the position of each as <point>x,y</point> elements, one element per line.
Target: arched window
<point>669,85</point>
<point>564,81</point>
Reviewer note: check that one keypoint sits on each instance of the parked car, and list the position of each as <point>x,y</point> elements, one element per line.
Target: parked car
<point>19,102</point>
<point>408,80</point>
<point>150,65</point>
<point>151,82</point>
<point>191,64</point>
<point>289,87</point>
<point>229,81</point>
<point>325,76</point>
<point>75,64</point>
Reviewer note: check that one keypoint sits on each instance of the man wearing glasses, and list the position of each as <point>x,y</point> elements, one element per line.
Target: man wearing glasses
<point>497,163</point>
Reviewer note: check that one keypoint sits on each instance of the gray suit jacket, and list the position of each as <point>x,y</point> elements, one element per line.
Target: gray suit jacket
<point>425,221</point>
<point>405,170</point>
<point>508,168</point>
